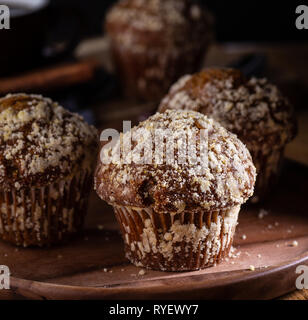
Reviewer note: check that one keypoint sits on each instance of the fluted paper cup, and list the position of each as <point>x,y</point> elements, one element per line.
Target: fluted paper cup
<point>268,171</point>
<point>45,215</point>
<point>186,241</point>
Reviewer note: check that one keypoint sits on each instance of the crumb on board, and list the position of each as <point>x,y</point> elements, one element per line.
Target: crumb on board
<point>244,237</point>
<point>105,270</point>
<point>259,255</point>
<point>294,243</point>
<point>234,253</point>
<point>252,268</point>
<point>262,213</point>
<point>141,272</point>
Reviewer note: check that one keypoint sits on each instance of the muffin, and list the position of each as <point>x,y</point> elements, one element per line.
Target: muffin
<point>181,214</point>
<point>154,42</point>
<point>46,162</point>
<point>253,109</point>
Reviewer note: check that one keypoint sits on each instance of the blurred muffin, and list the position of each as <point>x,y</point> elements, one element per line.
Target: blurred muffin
<point>154,42</point>
<point>253,109</point>
<point>46,162</point>
<point>181,214</point>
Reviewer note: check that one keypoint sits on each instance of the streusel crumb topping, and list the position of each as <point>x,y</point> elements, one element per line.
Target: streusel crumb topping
<point>152,15</point>
<point>175,18</point>
<point>226,177</point>
<point>254,109</point>
<point>40,141</point>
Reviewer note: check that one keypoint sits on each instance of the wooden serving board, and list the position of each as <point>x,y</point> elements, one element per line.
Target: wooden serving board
<point>93,265</point>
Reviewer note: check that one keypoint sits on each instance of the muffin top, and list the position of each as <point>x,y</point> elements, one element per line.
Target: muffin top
<point>40,141</point>
<point>205,167</point>
<point>164,20</point>
<point>253,108</point>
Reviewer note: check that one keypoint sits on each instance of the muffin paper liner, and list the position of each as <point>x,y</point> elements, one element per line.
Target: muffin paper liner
<point>268,171</point>
<point>185,241</point>
<point>45,215</point>
<point>154,69</point>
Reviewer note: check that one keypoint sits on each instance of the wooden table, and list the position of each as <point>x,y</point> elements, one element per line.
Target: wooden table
<point>278,56</point>
<point>287,66</point>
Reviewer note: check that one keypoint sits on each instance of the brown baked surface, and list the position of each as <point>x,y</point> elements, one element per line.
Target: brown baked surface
<point>40,141</point>
<point>253,108</point>
<point>159,22</point>
<point>227,180</point>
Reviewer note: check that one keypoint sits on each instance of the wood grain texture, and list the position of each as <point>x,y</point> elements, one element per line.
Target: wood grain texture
<point>93,265</point>
<point>58,76</point>
<point>62,271</point>
<point>296,295</point>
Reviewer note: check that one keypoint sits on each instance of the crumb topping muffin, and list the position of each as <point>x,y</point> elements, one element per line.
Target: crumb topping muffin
<point>180,214</point>
<point>225,180</point>
<point>253,109</point>
<point>245,107</point>
<point>46,164</point>
<point>154,42</point>
<point>171,17</point>
<point>40,141</point>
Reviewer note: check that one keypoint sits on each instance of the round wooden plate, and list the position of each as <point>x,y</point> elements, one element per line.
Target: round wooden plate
<point>271,241</point>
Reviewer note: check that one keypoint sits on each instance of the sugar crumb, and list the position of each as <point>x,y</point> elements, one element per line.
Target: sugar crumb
<point>262,213</point>
<point>141,272</point>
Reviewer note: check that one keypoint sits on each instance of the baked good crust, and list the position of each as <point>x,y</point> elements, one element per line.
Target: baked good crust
<point>158,22</point>
<point>41,142</point>
<point>225,181</point>
<point>253,109</point>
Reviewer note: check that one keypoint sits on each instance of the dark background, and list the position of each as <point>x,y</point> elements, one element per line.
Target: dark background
<point>26,48</point>
<point>235,20</point>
